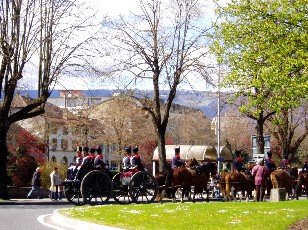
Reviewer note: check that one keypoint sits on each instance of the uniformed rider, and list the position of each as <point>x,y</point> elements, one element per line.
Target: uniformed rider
<point>237,162</point>
<point>269,162</point>
<point>285,164</point>
<point>176,160</point>
<point>305,167</point>
<point>271,167</point>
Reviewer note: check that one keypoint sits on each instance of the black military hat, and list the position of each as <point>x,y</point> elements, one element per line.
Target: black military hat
<point>238,152</point>
<point>85,149</point>
<point>128,150</point>
<point>79,148</point>
<point>99,150</point>
<point>135,149</point>
<point>177,150</point>
<point>92,150</point>
<point>269,153</point>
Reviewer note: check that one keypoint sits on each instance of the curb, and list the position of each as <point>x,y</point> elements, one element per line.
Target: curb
<point>78,224</point>
<point>46,201</point>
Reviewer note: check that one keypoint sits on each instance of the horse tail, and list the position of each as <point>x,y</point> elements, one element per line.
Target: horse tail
<point>274,180</point>
<point>228,188</point>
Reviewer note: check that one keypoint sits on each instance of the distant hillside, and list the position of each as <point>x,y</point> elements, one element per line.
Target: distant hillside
<point>203,100</point>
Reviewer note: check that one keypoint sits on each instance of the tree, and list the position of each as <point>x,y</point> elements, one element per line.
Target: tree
<point>164,45</point>
<point>264,43</point>
<point>127,124</point>
<point>35,37</point>
<point>190,127</point>
<point>290,128</point>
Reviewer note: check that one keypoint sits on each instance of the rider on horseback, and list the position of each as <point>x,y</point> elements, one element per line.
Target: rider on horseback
<point>305,167</point>
<point>176,160</point>
<point>237,162</point>
<point>285,164</point>
<point>269,162</point>
<point>271,167</point>
<point>176,163</point>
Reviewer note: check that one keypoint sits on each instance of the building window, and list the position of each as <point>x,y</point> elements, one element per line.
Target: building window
<point>53,129</point>
<point>71,102</point>
<point>53,159</point>
<point>64,160</point>
<point>64,144</point>
<point>65,130</point>
<point>54,144</point>
<point>94,101</point>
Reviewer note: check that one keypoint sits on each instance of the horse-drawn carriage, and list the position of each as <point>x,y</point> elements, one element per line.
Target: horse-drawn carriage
<point>96,187</point>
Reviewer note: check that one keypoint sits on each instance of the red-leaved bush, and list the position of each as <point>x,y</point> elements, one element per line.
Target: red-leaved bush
<point>26,153</point>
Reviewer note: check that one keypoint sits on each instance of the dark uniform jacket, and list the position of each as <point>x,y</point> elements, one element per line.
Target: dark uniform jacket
<point>237,164</point>
<point>136,161</point>
<point>270,164</point>
<point>177,162</point>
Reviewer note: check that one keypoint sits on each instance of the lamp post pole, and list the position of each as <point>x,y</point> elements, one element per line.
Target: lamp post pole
<point>218,121</point>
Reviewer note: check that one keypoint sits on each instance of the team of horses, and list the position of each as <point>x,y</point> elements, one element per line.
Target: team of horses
<point>197,175</point>
<point>289,179</point>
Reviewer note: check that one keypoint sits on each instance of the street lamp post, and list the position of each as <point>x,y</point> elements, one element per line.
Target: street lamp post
<point>218,121</point>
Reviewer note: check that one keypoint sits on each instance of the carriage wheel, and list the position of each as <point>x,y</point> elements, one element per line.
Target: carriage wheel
<point>120,191</point>
<point>143,188</point>
<point>73,195</point>
<point>96,188</point>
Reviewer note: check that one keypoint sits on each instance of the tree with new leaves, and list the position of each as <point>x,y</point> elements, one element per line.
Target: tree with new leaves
<point>164,45</point>
<point>36,38</point>
<point>265,45</point>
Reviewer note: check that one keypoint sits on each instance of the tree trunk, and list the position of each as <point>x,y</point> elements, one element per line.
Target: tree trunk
<point>3,160</point>
<point>162,150</point>
<point>260,136</point>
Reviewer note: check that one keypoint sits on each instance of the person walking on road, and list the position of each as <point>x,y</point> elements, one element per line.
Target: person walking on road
<point>55,184</point>
<point>36,183</point>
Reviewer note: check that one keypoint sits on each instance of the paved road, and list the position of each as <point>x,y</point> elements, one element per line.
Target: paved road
<point>27,215</point>
<point>35,214</point>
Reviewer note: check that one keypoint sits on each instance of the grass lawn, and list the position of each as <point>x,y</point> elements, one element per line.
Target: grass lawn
<point>201,215</point>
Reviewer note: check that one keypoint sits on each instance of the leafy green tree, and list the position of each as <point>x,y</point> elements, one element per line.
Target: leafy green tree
<point>265,45</point>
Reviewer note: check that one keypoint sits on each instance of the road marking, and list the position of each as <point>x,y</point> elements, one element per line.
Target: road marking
<point>41,220</point>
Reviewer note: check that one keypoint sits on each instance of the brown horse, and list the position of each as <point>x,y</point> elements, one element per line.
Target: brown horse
<point>301,181</point>
<point>185,178</point>
<point>282,179</point>
<point>232,182</point>
<point>201,175</point>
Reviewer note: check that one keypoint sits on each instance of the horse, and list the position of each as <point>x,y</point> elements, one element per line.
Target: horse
<point>203,172</point>
<point>185,178</point>
<point>232,182</point>
<point>164,189</point>
<point>282,179</point>
<point>302,180</point>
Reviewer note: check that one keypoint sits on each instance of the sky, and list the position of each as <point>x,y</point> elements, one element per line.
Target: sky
<point>112,8</point>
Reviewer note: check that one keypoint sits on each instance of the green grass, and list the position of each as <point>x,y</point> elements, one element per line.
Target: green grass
<point>213,215</point>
